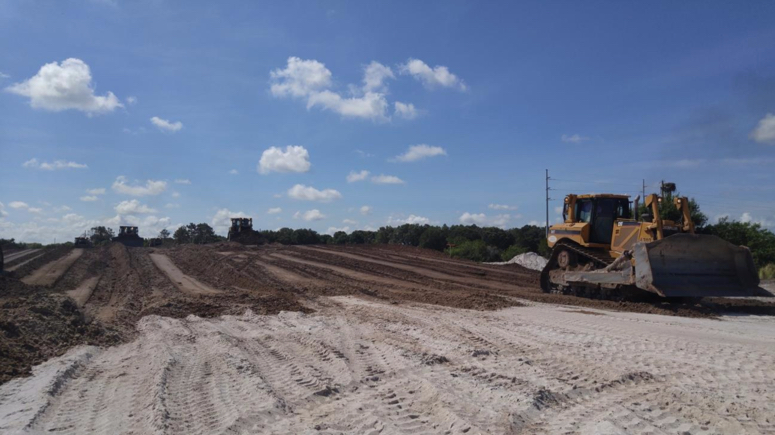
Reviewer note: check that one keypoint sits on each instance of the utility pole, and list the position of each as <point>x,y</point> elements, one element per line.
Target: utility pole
<point>547,203</point>
<point>644,191</point>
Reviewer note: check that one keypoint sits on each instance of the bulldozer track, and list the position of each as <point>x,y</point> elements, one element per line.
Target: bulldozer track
<point>599,260</point>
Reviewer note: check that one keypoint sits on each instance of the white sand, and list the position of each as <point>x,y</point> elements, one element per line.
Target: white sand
<point>530,260</point>
<point>358,366</point>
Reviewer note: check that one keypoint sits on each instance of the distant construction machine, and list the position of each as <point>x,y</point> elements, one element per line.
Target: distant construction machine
<point>128,236</point>
<point>82,242</point>
<point>241,231</point>
<point>602,251</point>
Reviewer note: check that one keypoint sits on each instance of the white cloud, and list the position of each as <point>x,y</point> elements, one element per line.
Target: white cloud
<point>371,105</point>
<point>4,75</point>
<point>175,195</point>
<point>182,181</point>
<point>311,79</point>
<point>300,78</point>
<point>166,125</point>
<point>131,207</point>
<point>419,220</point>
<point>34,210</point>
<point>419,152</point>
<point>748,218</point>
<point>469,218</point>
<point>501,220</point>
<point>89,198</point>
<point>151,187</point>
<point>306,193</point>
<point>61,209</point>
<point>357,176</point>
<point>274,210</point>
<point>64,86</point>
<point>365,210</point>
<point>502,207</point>
<point>294,159</point>
<point>406,111</point>
<point>333,230</point>
<point>438,76</point>
<point>350,222</point>
<point>3,213</point>
<point>537,223</point>
<point>131,99</point>
<point>97,191</point>
<point>309,215</point>
<point>374,76</point>
<point>765,130</point>
<point>18,205</point>
<point>386,179</point>
<point>172,205</point>
<point>58,164</point>
<point>234,172</point>
<point>575,138</point>
<point>222,219</point>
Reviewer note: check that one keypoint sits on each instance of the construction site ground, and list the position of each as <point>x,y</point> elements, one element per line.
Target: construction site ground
<point>383,339</point>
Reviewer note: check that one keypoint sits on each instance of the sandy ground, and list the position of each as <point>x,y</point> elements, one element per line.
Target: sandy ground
<point>365,366</point>
<point>182,281</point>
<point>50,273</point>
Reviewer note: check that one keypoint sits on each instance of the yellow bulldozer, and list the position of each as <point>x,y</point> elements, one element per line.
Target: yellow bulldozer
<point>602,250</point>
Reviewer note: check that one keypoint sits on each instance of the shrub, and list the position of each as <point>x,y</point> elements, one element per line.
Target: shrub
<point>767,272</point>
<point>475,250</point>
<point>512,252</point>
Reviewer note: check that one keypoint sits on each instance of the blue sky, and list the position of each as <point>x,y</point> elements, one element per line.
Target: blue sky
<point>159,114</point>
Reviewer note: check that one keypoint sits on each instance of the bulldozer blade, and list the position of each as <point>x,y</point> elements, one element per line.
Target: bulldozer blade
<point>689,265</point>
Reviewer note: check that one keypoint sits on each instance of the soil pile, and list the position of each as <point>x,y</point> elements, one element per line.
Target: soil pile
<point>36,325</point>
<point>530,260</point>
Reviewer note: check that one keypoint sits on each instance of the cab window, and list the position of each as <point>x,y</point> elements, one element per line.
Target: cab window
<point>584,213</point>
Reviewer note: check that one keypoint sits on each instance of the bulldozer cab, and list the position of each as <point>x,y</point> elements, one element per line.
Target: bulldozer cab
<point>127,231</point>
<point>600,213</point>
<point>242,223</point>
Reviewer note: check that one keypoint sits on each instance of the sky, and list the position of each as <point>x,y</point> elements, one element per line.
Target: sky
<point>355,115</point>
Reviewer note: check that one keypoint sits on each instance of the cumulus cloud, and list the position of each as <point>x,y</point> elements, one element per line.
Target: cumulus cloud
<point>502,207</point>
<point>57,164</point>
<point>366,210</point>
<point>765,130</point>
<point>419,152</point>
<point>311,80</point>
<point>150,188</point>
<point>97,191</point>
<point>371,105</point>
<point>89,198</point>
<point>172,205</point>
<point>431,78</point>
<point>234,172</point>
<point>310,215</point>
<point>166,125</point>
<point>34,210</point>
<point>418,220</point>
<point>374,77</point>
<point>131,99</point>
<point>294,159</point>
<point>357,176</point>
<point>481,219</point>
<point>131,207</point>
<point>64,86</point>
<point>406,111</point>
<point>274,210</point>
<point>182,181</point>
<point>309,193</point>
<point>300,78</point>
<point>18,205</point>
<point>470,218</point>
<point>575,138</point>
<point>386,179</point>
<point>3,213</point>
<point>350,222</point>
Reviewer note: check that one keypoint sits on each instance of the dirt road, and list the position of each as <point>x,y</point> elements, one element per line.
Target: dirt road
<point>365,366</point>
<point>50,273</point>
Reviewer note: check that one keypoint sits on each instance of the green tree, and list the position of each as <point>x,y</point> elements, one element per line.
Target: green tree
<point>340,238</point>
<point>760,241</point>
<point>182,235</point>
<point>164,234</point>
<point>100,235</point>
<point>433,238</point>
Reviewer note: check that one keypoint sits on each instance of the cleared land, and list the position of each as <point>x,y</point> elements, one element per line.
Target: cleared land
<point>371,339</point>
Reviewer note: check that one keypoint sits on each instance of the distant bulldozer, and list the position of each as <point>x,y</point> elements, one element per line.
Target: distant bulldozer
<point>128,236</point>
<point>83,242</point>
<point>241,231</point>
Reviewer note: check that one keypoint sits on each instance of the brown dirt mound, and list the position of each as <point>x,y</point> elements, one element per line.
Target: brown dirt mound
<point>36,325</point>
<point>49,256</point>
